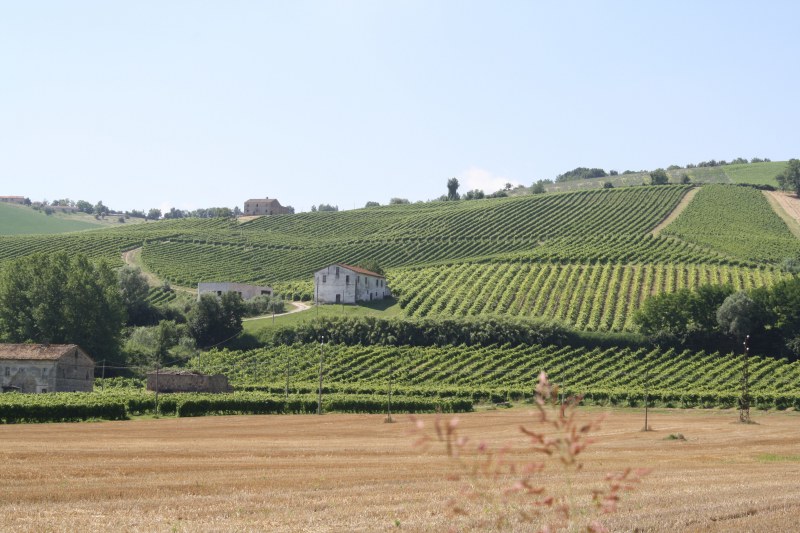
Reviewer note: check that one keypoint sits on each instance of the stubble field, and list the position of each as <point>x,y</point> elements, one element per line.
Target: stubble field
<point>356,473</point>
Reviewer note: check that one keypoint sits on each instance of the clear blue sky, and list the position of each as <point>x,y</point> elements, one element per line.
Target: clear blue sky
<point>197,104</point>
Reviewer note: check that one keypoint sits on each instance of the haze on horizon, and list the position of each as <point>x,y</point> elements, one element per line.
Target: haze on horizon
<point>188,105</point>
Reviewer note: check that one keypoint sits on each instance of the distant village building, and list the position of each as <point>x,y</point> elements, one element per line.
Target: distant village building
<point>247,292</point>
<point>340,283</point>
<point>187,381</point>
<point>45,368</point>
<point>265,206</point>
<point>13,199</point>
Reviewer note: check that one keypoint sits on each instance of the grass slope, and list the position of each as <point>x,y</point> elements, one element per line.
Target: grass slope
<point>22,220</point>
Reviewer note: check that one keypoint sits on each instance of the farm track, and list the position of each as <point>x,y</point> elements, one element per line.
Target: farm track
<point>685,201</point>
<point>355,473</point>
<point>134,258</point>
<point>788,208</point>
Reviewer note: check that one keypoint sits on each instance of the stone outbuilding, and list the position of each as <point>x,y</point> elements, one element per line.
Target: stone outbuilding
<point>347,284</point>
<point>187,381</point>
<point>247,292</point>
<point>265,206</point>
<point>13,199</point>
<point>45,368</point>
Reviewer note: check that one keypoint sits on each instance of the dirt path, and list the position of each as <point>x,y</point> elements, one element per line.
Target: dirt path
<point>298,306</point>
<point>787,206</point>
<point>134,258</point>
<point>677,211</point>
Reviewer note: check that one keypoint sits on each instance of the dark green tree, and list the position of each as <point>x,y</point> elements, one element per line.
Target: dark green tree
<point>659,177</point>
<point>452,189</point>
<point>65,299</point>
<point>789,179</point>
<point>214,320</point>
<point>134,289</point>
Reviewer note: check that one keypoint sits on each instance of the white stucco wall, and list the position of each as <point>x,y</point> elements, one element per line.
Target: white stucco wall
<point>350,286</point>
<point>246,291</point>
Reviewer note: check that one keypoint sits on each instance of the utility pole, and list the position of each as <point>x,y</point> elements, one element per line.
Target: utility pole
<point>744,401</point>
<point>389,399</point>
<point>321,359</point>
<point>288,363</point>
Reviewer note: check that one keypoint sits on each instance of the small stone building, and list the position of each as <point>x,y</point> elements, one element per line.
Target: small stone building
<point>187,381</point>
<point>45,368</point>
<point>265,206</point>
<point>247,292</point>
<point>347,284</point>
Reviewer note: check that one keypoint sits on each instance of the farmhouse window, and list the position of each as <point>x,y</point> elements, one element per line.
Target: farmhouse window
<point>44,390</point>
<point>324,278</point>
<point>347,280</point>
<point>337,272</point>
<point>8,371</point>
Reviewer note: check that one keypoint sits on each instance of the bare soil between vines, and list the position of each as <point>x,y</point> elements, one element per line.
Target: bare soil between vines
<point>356,473</point>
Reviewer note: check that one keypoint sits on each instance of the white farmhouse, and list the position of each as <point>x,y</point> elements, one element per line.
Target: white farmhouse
<point>45,368</point>
<point>247,292</point>
<point>340,283</point>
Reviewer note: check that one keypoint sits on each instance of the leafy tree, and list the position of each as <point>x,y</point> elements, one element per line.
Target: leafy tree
<point>452,189</point>
<point>214,320</point>
<point>398,201</point>
<point>327,207</point>
<point>154,214</point>
<point>538,188</point>
<point>685,179</point>
<point>100,210</point>
<point>84,207</point>
<point>789,179</point>
<point>134,289</point>
<point>62,298</point>
<point>659,177</point>
<point>608,185</point>
<point>475,194</point>
<point>581,173</point>
<point>372,204</point>
<point>739,315</point>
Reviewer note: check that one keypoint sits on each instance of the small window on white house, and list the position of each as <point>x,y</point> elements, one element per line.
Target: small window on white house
<point>44,390</point>
<point>346,280</point>
<point>337,272</point>
<point>324,278</point>
<point>8,371</point>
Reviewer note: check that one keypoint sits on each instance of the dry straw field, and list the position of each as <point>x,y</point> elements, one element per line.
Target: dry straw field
<point>356,473</point>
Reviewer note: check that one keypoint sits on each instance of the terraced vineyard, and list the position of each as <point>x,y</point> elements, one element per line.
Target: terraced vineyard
<point>596,296</point>
<point>613,375</point>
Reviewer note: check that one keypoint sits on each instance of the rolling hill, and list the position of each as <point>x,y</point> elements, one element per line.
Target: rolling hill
<point>22,220</point>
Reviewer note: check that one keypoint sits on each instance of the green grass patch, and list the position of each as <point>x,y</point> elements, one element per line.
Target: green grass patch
<point>777,458</point>
<point>385,309</point>
<point>22,220</point>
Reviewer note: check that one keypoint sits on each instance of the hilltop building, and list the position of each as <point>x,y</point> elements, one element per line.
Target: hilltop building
<point>247,292</point>
<point>45,368</point>
<point>340,283</point>
<point>13,199</point>
<point>265,206</point>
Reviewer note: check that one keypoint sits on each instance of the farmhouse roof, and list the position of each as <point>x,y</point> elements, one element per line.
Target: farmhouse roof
<point>272,201</point>
<point>175,372</point>
<point>361,270</point>
<point>13,197</point>
<point>38,352</point>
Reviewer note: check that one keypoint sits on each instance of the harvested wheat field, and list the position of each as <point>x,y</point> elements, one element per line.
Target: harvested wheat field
<point>356,473</point>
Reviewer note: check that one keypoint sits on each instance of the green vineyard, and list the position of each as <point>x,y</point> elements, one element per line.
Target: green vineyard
<point>498,373</point>
<point>594,297</point>
<point>736,221</point>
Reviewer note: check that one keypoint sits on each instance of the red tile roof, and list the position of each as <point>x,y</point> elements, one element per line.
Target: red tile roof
<point>38,352</point>
<point>361,270</point>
